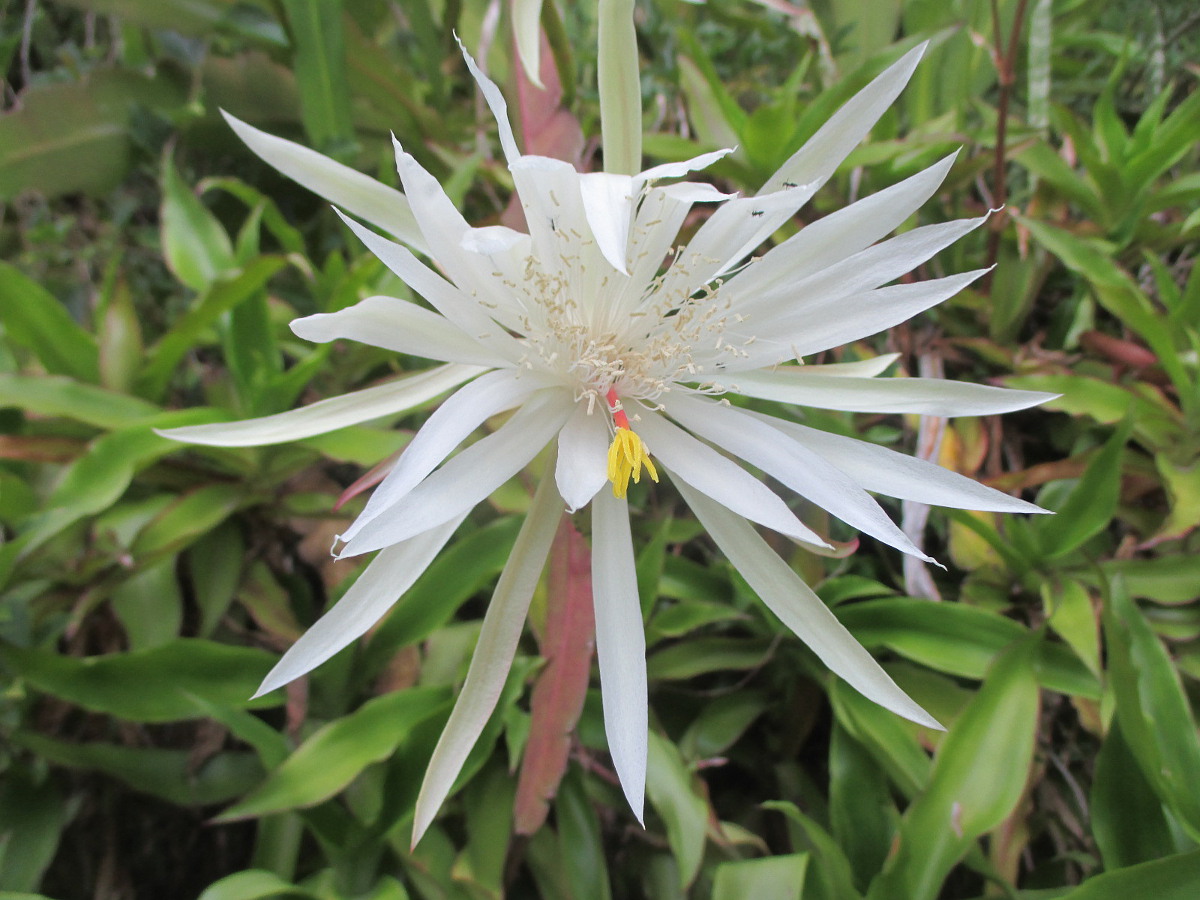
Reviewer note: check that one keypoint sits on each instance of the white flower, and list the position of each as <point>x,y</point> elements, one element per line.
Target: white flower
<point>595,344</point>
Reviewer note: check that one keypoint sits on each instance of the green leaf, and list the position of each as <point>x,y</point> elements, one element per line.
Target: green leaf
<point>188,517</point>
<point>31,317</point>
<point>319,61</point>
<point>150,606</point>
<point>831,878</point>
<point>169,774</point>
<point>683,810</point>
<point>772,878</point>
<point>33,815</point>
<point>580,840</point>
<point>1156,719</point>
<point>66,398</point>
<point>1127,817</point>
<point>253,884</point>
<point>336,753</point>
<point>1173,878</point>
<point>150,685</point>
<point>980,774</point>
<point>701,655</point>
<point>862,814</point>
<point>195,245</point>
<point>1089,508</point>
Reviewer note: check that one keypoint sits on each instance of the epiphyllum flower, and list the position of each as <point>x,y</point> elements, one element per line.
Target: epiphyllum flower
<point>623,363</point>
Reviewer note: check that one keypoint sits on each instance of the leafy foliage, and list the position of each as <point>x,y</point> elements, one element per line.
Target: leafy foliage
<point>146,588</point>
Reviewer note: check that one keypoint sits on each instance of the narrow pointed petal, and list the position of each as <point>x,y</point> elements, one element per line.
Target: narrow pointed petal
<point>460,309</point>
<point>608,204</point>
<point>824,151</point>
<point>382,206</point>
<point>861,368</point>
<point>842,233</point>
<point>725,481</point>
<point>332,414</point>
<point>493,654</point>
<point>399,326</point>
<point>381,584</point>
<point>468,478</point>
<point>582,467</point>
<point>923,396</point>
<point>805,472</point>
<point>833,322</point>
<point>899,475</point>
<point>801,610</point>
<point>448,426</point>
<point>620,645</point>
<point>495,101</point>
<point>679,169</point>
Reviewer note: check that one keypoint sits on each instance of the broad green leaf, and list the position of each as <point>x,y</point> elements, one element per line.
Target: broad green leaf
<point>771,878</point>
<point>195,245</point>
<point>1173,878</point>
<point>580,840</point>
<point>169,774</point>
<point>119,340</point>
<point>187,518</point>
<point>336,753</point>
<point>150,606</point>
<point>1156,719</point>
<point>319,60</point>
<point>1091,504</point>
<point>253,884</point>
<point>66,137</point>
<point>720,723</point>
<point>959,640</point>
<point>33,814</point>
<point>1164,579</point>
<point>831,877</point>
<point>1070,614</point>
<point>890,740</point>
<point>979,775</point>
<point>862,814</point>
<point>1127,816</point>
<point>153,685</point>
<point>31,317</point>
<point>62,397</point>
<point>701,655</point>
<point>683,811</point>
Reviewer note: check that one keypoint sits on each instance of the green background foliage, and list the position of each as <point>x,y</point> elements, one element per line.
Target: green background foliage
<point>151,267</point>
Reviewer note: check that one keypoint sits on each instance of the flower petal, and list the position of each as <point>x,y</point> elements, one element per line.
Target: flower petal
<point>608,205</point>
<point>582,467</point>
<point>381,584</point>
<point>460,309</point>
<point>467,478</point>
<point>399,326</point>
<point>842,233</point>
<point>924,396</point>
<point>824,151</point>
<point>721,479</point>
<point>801,610</point>
<point>495,101</point>
<point>329,415</point>
<point>493,656</point>
<point>382,206</point>
<point>450,424</point>
<point>805,472</point>
<point>899,475</point>
<point>620,645</point>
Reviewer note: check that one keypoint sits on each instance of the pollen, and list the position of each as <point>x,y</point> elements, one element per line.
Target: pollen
<point>627,453</point>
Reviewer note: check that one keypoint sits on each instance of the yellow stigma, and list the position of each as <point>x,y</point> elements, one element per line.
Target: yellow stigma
<point>626,457</point>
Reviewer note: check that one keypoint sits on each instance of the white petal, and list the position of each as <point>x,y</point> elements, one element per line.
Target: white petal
<point>831,324</point>
<point>620,645</point>
<point>448,427</point>
<point>608,204</point>
<point>925,396</point>
<point>582,467</point>
<point>382,206</point>
<point>447,299</point>
<point>467,478</point>
<point>840,234</point>
<point>801,610</point>
<point>381,584</point>
<point>693,192</point>
<point>805,472</point>
<point>722,479</point>
<point>900,475</point>
<point>863,271</point>
<point>824,151</point>
<point>549,191</point>
<point>493,655</point>
<point>399,326</point>
<point>495,101</point>
<point>678,169</point>
<point>861,368</point>
<point>329,415</point>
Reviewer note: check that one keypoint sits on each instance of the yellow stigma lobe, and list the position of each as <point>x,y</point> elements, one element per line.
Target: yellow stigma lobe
<point>627,454</point>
